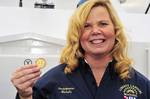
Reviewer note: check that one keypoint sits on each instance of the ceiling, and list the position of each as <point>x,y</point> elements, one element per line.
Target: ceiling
<point>130,6</point>
<point>135,6</point>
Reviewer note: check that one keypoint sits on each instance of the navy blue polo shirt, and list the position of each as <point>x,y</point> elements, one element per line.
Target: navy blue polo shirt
<point>112,86</point>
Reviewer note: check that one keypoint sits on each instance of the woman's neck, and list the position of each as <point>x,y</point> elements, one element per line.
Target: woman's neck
<point>98,66</point>
<point>98,62</point>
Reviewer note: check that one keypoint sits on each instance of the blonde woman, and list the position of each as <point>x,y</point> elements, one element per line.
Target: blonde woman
<point>94,62</point>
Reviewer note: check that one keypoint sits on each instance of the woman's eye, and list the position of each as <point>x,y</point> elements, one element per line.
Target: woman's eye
<point>86,25</point>
<point>103,24</point>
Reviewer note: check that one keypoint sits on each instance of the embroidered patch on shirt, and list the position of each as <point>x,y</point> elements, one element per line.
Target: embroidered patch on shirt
<point>130,91</point>
<point>66,90</point>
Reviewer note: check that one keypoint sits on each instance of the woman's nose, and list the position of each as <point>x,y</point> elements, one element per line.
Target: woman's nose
<point>96,29</point>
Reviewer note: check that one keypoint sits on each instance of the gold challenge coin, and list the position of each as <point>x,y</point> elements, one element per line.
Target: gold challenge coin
<point>41,62</point>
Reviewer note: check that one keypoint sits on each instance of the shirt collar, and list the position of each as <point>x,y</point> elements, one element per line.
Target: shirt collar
<point>110,70</point>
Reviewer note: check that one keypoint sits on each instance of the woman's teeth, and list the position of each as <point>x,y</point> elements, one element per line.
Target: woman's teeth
<point>97,41</point>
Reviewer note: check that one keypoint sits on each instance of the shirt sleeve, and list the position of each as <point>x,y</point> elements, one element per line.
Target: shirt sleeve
<point>148,90</point>
<point>38,94</point>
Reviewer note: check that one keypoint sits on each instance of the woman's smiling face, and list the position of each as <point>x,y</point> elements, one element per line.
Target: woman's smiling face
<point>98,34</point>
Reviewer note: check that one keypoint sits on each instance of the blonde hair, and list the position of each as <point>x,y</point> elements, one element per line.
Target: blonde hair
<point>73,50</point>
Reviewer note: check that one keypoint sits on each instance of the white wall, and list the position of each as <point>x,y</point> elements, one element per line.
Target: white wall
<point>138,52</point>
<point>137,26</point>
<point>43,21</point>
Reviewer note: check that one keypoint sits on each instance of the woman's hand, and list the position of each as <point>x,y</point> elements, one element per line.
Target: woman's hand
<point>24,78</point>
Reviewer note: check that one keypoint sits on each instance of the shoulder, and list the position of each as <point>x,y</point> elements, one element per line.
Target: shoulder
<point>140,80</point>
<point>139,77</point>
<point>52,76</point>
<point>136,86</point>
